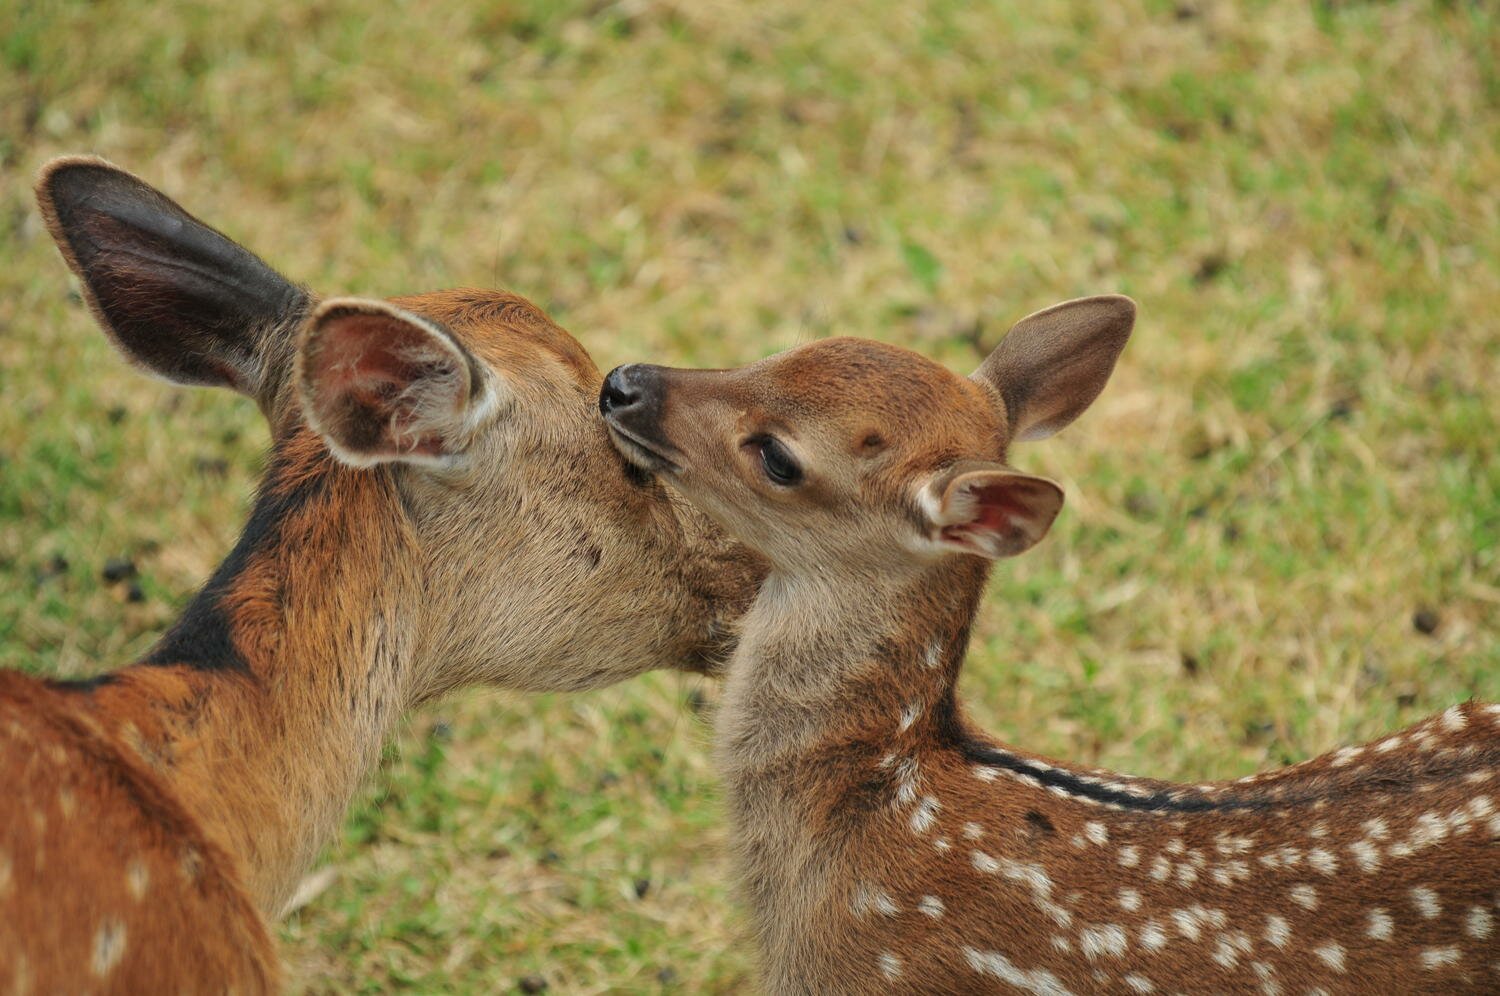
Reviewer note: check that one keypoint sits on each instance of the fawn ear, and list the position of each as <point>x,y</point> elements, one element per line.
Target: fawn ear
<point>1052,365</point>
<point>381,384</point>
<point>176,297</point>
<point>989,510</point>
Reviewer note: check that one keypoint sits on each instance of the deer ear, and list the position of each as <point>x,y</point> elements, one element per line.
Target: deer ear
<point>1052,365</point>
<point>989,510</point>
<point>175,296</point>
<point>381,384</point>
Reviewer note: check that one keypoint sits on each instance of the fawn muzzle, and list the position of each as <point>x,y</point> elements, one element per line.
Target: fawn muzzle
<point>631,403</point>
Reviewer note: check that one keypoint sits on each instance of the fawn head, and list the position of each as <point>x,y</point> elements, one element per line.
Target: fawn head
<point>860,453</point>
<point>468,413</point>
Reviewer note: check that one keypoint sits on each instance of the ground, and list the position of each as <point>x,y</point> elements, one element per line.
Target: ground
<point>1282,530</point>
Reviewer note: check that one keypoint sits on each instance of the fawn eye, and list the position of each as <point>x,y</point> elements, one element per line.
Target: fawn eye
<point>778,463</point>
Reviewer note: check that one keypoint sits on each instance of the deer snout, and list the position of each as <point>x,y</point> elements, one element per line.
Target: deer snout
<point>631,403</point>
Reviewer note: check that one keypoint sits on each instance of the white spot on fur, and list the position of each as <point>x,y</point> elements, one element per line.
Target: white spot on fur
<point>1479,923</point>
<point>906,781</point>
<point>1186,875</point>
<point>1278,931</point>
<point>109,947</point>
<point>1388,745</point>
<point>934,655</point>
<point>1037,981</point>
<point>931,906</point>
<point>1231,948</point>
<point>1153,938</point>
<point>1366,855</point>
<point>1379,926</point>
<point>137,878</point>
<point>924,815</point>
<point>909,716</point>
<point>1106,940</point>
<point>1344,755</point>
<point>1322,861</point>
<point>1430,829</point>
<point>985,774</point>
<point>1139,983</point>
<point>1376,829</point>
<point>1130,856</point>
<point>1176,846</point>
<point>942,844</point>
<point>1161,868</point>
<point>984,863</point>
<point>890,965</point>
<point>1426,902</point>
<point>1305,896</point>
<point>1061,943</point>
<point>1129,900</point>
<point>973,831</point>
<point>1188,923</point>
<point>872,899</point>
<point>1096,832</point>
<point>1436,958</point>
<point>1454,719</point>
<point>1331,954</point>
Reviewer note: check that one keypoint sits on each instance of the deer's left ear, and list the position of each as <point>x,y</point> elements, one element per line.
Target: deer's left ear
<point>380,384</point>
<point>989,510</point>
<point>1053,364</point>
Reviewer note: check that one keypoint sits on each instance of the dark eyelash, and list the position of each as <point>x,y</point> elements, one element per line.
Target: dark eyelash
<point>777,462</point>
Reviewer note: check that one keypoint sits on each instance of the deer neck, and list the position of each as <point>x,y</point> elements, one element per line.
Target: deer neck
<point>827,671</point>
<point>268,701</point>
<point>821,655</point>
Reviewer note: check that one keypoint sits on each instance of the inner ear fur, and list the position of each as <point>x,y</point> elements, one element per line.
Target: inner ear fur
<point>990,509</point>
<point>177,297</point>
<point>381,384</point>
<point>1052,365</point>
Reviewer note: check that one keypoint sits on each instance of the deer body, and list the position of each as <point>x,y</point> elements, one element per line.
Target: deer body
<point>884,845</point>
<point>441,508</point>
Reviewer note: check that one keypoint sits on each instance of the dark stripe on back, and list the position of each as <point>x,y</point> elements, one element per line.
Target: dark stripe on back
<point>1155,802</point>
<point>201,638</point>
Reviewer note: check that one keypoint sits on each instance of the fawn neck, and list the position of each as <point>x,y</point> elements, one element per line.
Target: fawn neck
<point>271,696</point>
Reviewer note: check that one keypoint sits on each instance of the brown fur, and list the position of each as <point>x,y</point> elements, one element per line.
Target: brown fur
<point>884,845</point>
<point>158,816</point>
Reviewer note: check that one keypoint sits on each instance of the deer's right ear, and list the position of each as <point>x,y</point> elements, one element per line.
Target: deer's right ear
<point>1052,365</point>
<point>988,509</point>
<point>175,296</point>
<point>380,384</point>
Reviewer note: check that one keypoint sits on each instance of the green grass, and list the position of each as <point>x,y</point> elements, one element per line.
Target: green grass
<point>1297,454</point>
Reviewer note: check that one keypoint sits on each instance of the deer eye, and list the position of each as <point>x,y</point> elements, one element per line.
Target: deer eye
<point>779,465</point>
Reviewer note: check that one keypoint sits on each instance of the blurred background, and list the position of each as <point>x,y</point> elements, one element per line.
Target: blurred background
<point>1282,520</point>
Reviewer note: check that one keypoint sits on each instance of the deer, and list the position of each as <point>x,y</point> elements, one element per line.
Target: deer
<point>881,843</point>
<point>441,507</point>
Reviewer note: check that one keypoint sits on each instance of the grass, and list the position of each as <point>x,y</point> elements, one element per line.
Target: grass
<point>1296,460</point>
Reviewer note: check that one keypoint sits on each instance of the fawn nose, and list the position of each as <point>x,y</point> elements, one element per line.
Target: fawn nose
<point>630,391</point>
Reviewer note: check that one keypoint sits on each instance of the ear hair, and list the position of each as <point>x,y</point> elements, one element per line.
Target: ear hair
<point>988,509</point>
<point>1052,365</point>
<point>380,384</point>
<point>175,296</point>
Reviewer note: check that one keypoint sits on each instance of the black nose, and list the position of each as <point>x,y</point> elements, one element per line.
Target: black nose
<point>618,393</point>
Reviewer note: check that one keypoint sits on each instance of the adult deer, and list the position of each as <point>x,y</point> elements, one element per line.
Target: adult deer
<point>441,508</point>
<point>883,844</point>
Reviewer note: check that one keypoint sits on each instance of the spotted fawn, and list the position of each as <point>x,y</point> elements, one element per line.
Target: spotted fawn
<point>441,508</point>
<point>885,845</point>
